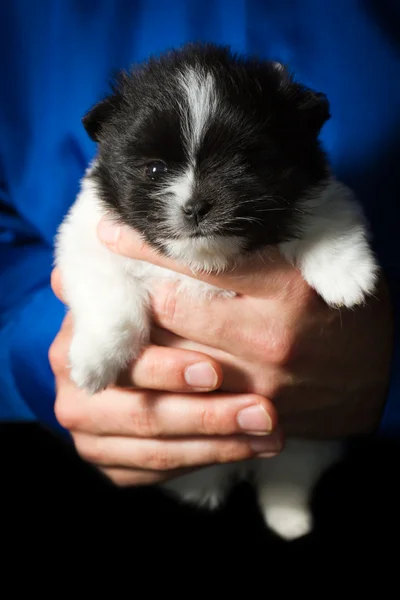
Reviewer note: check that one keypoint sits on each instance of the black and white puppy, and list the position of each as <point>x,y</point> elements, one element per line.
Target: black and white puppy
<point>210,157</point>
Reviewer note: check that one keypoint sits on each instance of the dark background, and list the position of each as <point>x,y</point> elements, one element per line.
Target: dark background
<point>52,502</point>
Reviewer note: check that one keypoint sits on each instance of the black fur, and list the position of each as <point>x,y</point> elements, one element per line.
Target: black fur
<point>258,156</point>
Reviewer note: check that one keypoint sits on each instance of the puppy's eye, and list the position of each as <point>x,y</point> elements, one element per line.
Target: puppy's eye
<point>155,170</point>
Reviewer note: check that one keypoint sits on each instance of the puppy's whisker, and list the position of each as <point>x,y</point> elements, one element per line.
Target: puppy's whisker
<point>278,209</point>
<point>249,219</point>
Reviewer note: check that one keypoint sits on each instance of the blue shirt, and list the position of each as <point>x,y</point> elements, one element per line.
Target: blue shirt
<point>57,57</point>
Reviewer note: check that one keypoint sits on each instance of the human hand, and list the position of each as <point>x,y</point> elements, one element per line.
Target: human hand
<point>168,426</point>
<point>325,369</point>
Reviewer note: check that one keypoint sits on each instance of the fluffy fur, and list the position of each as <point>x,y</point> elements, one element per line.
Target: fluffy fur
<point>210,157</point>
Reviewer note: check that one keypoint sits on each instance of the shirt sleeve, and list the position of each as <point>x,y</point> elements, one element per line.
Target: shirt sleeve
<point>30,316</point>
<point>43,154</point>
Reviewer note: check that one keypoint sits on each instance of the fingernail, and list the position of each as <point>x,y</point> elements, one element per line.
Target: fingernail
<point>254,420</point>
<point>267,446</point>
<point>108,231</point>
<point>201,376</point>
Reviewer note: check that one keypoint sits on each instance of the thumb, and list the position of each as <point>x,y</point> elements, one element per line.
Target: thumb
<point>259,275</point>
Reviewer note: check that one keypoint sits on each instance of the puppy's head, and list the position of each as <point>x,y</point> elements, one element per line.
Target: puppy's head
<point>207,154</point>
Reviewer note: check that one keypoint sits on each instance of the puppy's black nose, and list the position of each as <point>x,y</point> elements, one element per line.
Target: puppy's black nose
<point>196,210</point>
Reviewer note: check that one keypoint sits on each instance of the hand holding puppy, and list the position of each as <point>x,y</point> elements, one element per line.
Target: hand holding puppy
<point>139,436</point>
<point>326,370</point>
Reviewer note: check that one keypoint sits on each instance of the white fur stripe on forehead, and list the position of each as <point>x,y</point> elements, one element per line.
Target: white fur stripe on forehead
<point>199,88</point>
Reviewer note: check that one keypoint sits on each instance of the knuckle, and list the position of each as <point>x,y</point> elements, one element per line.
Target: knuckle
<point>152,372</point>
<point>57,355</point>
<point>90,449</point>
<point>220,330</point>
<point>64,412</point>
<point>55,280</point>
<point>161,460</point>
<point>255,341</point>
<point>232,451</point>
<point>209,421</point>
<point>270,385</point>
<point>144,422</point>
<point>166,304</point>
<point>281,346</point>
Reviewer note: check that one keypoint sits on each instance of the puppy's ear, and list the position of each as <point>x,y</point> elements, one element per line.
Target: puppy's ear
<point>280,69</point>
<point>99,114</point>
<point>312,107</point>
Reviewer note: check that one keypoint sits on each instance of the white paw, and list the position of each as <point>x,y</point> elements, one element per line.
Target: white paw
<point>96,363</point>
<point>345,289</point>
<point>289,522</point>
<point>334,254</point>
<point>342,280</point>
<point>94,377</point>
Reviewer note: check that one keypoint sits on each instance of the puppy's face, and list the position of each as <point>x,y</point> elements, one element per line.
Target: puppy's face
<point>208,155</point>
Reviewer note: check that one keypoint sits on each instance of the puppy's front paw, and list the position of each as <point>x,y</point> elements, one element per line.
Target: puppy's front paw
<point>95,363</point>
<point>93,366</point>
<point>95,377</point>
<point>342,278</point>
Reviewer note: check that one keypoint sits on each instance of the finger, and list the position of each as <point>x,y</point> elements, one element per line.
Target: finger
<point>157,368</point>
<point>235,325</point>
<point>149,414</point>
<point>240,375</point>
<point>138,477</point>
<point>58,351</point>
<point>169,455</point>
<point>259,273</point>
<point>56,284</point>
<point>173,370</point>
